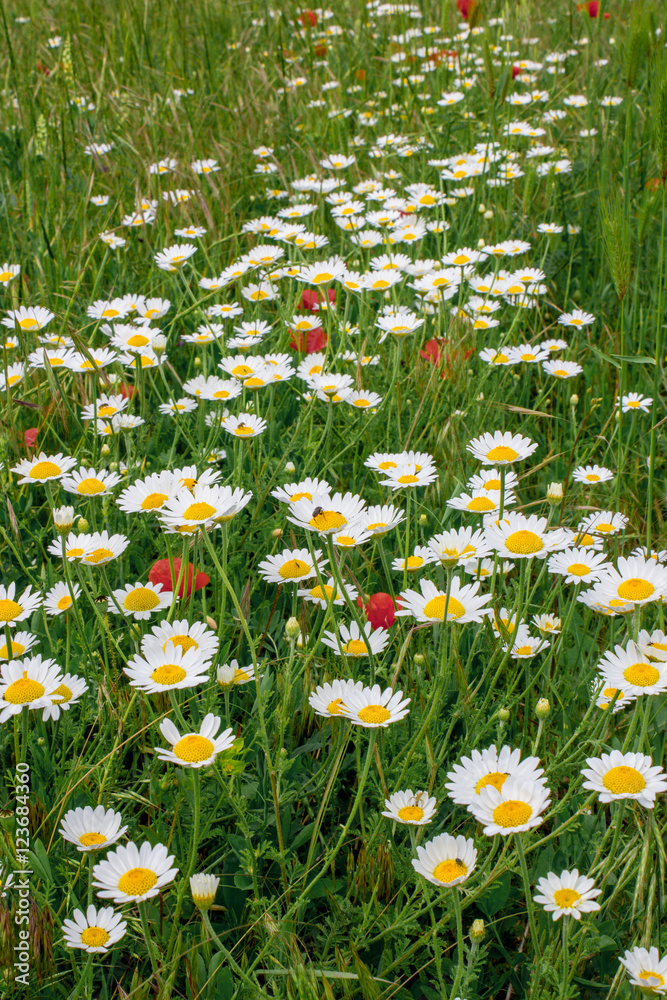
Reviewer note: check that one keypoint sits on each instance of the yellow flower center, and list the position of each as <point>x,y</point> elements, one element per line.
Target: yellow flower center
<point>492,484</point>
<point>592,478</point>
<point>28,323</point>
<point>240,676</point>
<point>24,690</point>
<point>502,453</point>
<point>327,520</point>
<point>141,599</point>
<point>355,647</point>
<point>410,814</point>
<point>90,486</point>
<point>375,525</point>
<point>106,411</point>
<point>512,813</point>
<point>199,511</point>
<point>496,778</point>
<point>632,403</point>
<point>636,589</point>
<point>168,674</point>
<point>138,340</point>
<point>481,504</point>
<point>524,542</point>
<point>603,527</point>
<point>335,707</point>
<point>44,470</point>
<point>294,569</point>
<point>193,748</point>
<point>253,383</point>
<point>9,610</point>
<point>92,839</point>
<point>651,978</point>
<point>188,482</point>
<point>322,277</point>
<point>448,871</point>
<point>74,553</point>
<point>564,898</point>
<point>438,606</point>
<point>137,881</point>
<point>153,501</point>
<point>6,275</point>
<point>641,674</point>
<point>322,594</point>
<point>374,714</point>
<point>347,541</point>
<point>408,479</point>
<point>578,569</point>
<point>623,780</point>
<point>243,430</point>
<point>55,362</point>
<point>94,937</point>
<point>184,641</point>
<point>15,649</point>
<point>63,693</point>
<point>414,562</point>
<point>241,371</point>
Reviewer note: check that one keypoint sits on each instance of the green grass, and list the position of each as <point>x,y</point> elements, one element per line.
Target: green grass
<point>317,894</point>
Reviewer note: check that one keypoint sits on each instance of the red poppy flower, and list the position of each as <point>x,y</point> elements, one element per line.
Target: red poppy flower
<point>310,342</point>
<point>311,298</point>
<point>515,71</point>
<point>160,572</point>
<point>308,18</point>
<point>30,437</point>
<point>466,7</point>
<point>380,609</point>
<point>433,351</point>
<point>126,390</point>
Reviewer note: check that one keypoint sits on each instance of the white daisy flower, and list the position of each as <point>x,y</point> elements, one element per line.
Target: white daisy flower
<point>95,931</point>
<point>328,700</point>
<point>132,874</point>
<point>579,565</point>
<point>590,475</point>
<point>351,642</point>
<point>567,895</point>
<point>646,970</point>
<point>462,603</point>
<point>501,448</point>
<point>602,522</point>
<point>327,514</point>
<point>195,749</point>
<point>43,468</point>
<point>521,537</point>
<point>139,600</point>
<point>67,693</point>
<point>446,861</point>
<point>411,808</point>
<point>231,675</point>
<point>92,829</point>
<point>330,592</point>
<point>628,668</point>
<point>19,643</point>
<point>305,490</point>
<point>374,708</point>
<point>203,889</point>
<point>292,566</point>
<point>516,807</point>
<point>618,776</point>
<point>166,666</point>
<point>634,581</point>
<point>421,556</point>
<point>28,683</point>
<point>490,767</point>
<point>59,599</point>
<point>183,635</point>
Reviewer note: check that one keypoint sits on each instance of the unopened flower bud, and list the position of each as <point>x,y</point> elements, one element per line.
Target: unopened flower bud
<point>197,362</point>
<point>504,714</point>
<point>113,466</point>
<point>211,622</point>
<point>159,344</point>
<point>419,659</point>
<point>542,708</point>
<point>488,214</point>
<point>481,242</point>
<point>555,493</point>
<point>82,524</point>
<point>292,628</point>
<point>574,399</point>
<point>203,889</point>
<point>477,930</point>
<point>63,519</point>
<point>290,467</point>
<point>105,449</point>
<point>423,518</point>
<point>112,377</point>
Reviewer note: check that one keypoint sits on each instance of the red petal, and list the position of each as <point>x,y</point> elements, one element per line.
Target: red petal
<point>160,572</point>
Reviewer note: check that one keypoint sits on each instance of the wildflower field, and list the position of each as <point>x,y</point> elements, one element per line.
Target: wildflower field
<point>333,659</point>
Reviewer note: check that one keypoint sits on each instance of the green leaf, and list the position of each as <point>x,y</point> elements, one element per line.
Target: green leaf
<point>634,359</point>
<point>39,861</point>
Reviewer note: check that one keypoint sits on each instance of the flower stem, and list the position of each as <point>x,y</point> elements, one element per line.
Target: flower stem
<point>459,941</point>
<point>529,899</point>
